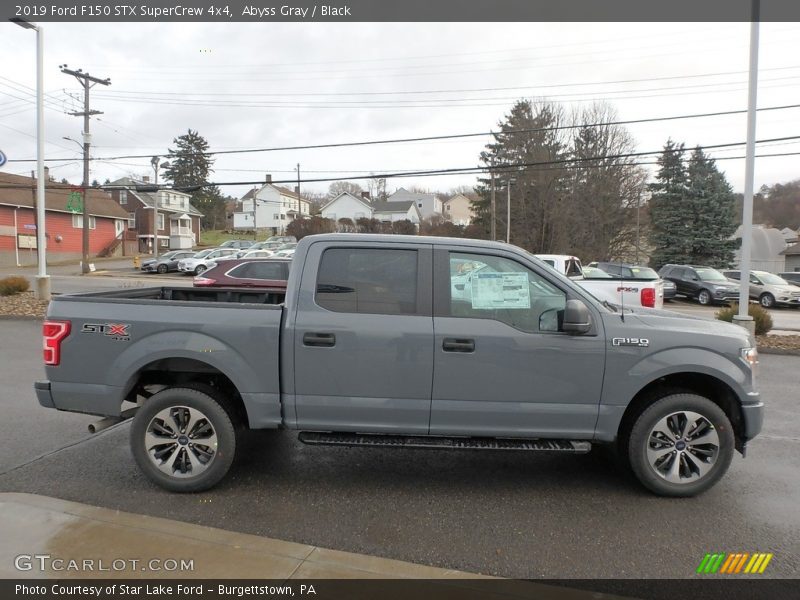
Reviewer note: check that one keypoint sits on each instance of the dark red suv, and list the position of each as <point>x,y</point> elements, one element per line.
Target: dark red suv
<point>262,273</point>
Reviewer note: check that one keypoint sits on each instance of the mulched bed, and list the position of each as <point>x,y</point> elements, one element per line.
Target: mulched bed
<point>22,305</point>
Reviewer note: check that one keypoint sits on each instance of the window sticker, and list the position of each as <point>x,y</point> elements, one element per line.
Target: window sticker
<point>500,290</point>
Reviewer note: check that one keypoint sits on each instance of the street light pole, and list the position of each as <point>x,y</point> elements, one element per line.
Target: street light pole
<point>42,278</point>
<point>743,318</point>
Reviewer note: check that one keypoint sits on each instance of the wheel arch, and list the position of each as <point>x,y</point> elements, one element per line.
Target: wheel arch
<point>186,372</point>
<point>702,384</point>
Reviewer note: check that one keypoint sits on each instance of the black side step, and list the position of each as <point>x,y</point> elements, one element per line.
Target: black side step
<point>316,438</point>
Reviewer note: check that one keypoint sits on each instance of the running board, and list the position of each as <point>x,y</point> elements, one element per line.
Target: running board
<point>315,438</point>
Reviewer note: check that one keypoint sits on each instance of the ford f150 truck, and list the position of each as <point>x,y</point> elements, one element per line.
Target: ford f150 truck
<point>633,292</point>
<point>379,341</point>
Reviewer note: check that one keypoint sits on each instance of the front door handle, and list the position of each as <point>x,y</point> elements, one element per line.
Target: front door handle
<point>319,340</point>
<point>458,345</point>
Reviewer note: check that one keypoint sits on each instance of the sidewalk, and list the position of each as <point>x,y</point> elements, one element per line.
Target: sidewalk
<point>39,525</point>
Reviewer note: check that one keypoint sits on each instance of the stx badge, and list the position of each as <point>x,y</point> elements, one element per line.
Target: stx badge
<point>116,331</point>
<point>640,342</point>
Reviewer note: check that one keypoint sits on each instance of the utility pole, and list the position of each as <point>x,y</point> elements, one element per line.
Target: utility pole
<point>88,82</point>
<point>255,212</point>
<point>511,181</point>
<point>494,206</point>
<point>298,190</point>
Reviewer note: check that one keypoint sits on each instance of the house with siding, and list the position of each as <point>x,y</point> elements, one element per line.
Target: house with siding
<point>270,207</point>
<point>389,212</point>
<point>427,204</point>
<point>63,228</point>
<point>350,206</point>
<point>347,206</point>
<point>458,210</point>
<point>178,219</point>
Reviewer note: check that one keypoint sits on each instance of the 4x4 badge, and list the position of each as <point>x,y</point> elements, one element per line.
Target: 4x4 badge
<point>640,342</point>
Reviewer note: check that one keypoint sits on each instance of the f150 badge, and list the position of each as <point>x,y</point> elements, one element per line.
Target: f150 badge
<point>640,342</point>
<point>116,331</point>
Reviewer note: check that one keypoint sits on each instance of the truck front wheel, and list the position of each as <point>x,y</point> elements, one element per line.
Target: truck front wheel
<point>183,440</point>
<point>681,445</point>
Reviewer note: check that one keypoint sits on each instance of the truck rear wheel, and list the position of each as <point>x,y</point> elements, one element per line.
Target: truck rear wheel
<point>681,445</point>
<point>183,439</point>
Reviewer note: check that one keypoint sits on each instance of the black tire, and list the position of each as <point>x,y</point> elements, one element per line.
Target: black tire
<point>162,269</point>
<point>704,297</point>
<point>199,269</point>
<point>767,300</point>
<point>179,401</point>
<point>692,459</point>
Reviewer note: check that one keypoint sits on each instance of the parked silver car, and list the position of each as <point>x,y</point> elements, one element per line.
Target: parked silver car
<point>769,289</point>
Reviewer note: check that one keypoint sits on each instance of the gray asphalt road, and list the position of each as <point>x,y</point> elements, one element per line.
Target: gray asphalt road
<point>517,515</point>
<point>26,431</point>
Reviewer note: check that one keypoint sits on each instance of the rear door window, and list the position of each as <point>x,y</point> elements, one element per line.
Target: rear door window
<point>368,280</point>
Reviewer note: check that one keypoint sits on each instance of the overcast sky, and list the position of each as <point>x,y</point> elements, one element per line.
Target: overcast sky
<point>247,85</point>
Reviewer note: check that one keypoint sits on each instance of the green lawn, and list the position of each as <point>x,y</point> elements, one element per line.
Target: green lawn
<point>216,237</point>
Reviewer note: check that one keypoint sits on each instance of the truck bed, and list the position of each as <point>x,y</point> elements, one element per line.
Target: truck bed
<point>115,337</point>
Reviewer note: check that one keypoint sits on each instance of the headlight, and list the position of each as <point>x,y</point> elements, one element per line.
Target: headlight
<point>750,356</point>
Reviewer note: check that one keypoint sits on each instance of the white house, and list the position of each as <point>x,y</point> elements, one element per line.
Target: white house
<point>389,212</point>
<point>275,208</point>
<point>428,204</point>
<point>347,206</point>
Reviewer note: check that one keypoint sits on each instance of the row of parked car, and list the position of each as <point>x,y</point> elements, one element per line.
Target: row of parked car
<point>704,284</point>
<point>711,286</point>
<point>235,263</point>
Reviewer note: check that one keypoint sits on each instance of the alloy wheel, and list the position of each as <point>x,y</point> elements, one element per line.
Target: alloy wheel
<point>181,441</point>
<point>683,447</point>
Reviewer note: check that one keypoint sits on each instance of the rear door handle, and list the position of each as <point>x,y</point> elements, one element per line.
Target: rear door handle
<point>319,340</point>
<point>458,345</point>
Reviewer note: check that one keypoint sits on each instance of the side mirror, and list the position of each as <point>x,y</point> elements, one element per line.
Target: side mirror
<point>577,319</point>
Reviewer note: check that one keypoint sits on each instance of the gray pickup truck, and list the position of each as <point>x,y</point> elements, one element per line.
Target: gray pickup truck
<point>385,341</point>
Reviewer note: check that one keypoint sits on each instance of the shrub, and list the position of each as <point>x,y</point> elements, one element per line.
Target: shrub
<point>760,315</point>
<point>13,285</point>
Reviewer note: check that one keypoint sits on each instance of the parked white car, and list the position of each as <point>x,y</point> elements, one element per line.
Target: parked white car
<point>632,293</point>
<point>204,259</point>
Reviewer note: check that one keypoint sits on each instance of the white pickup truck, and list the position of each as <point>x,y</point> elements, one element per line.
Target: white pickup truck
<point>621,291</point>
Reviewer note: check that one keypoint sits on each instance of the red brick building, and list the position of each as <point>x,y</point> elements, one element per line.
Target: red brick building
<point>63,228</point>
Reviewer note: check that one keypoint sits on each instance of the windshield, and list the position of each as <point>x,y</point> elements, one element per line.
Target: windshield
<point>644,273</point>
<point>771,279</point>
<point>711,275</point>
<point>594,273</point>
<point>202,253</point>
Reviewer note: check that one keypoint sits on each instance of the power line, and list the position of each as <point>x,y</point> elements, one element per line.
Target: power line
<point>510,167</point>
<point>432,138</point>
<point>460,91</point>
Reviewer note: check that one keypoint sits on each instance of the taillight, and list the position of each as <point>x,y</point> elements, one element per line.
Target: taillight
<point>201,281</point>
<point>648,296</point>
<point>54,332</point>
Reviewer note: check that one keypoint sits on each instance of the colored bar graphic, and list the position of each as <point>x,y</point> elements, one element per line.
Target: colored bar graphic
<point>765,563</point>
<point>734,563</point>
<point>741,562</point>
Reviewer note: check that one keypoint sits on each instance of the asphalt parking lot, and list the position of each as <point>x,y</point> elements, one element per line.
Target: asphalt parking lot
<point>516,515</point>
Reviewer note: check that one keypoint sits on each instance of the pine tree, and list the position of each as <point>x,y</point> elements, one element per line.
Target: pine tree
<point>189,169</point>
<point>529,134</point>
<point>671,211</point>
<point>190,165</point>
<point>713,209</point>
